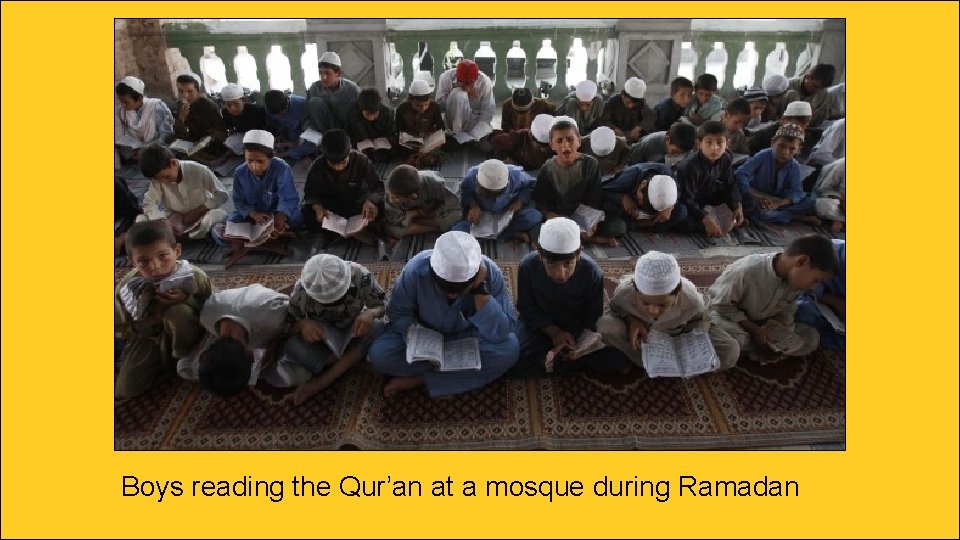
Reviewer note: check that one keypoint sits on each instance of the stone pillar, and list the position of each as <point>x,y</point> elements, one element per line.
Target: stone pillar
<point>140,50</point>
<point>650,50</point>
<point>361,44</point>
<point>833,46</point>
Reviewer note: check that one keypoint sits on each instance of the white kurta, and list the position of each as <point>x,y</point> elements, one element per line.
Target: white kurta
<point>199,187</point>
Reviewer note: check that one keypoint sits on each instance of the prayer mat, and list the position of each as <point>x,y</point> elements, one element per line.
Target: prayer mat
<point>794,402</point>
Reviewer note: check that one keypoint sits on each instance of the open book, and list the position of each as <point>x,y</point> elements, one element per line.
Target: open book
<point>235,143</point>
<point>343,226</point>
<point>723,215</point>
<point>128,141</point>
<point>189,148</point>
<point>684,355</point>
<point>587,217</point>
<point>588,342</point>
<point>426,344</point>
<point>380,143</point>
<point>740,158</point>
<point>781,339</point>
<point>429,144</point>
<point>805,171</point>
<point>181,278</point>
<point>335,338</point>
<point>253,233</point>
<point>491,224</point>
<point>312,135</point>
<point>832,318</point>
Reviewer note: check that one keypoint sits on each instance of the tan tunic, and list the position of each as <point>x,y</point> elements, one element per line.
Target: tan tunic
<point>198,187</point>
<point>750,289</point>
<point>689,311</point>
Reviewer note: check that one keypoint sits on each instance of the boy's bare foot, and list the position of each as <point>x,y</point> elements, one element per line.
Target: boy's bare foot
<point>401,384</point>
<point>604,241</point>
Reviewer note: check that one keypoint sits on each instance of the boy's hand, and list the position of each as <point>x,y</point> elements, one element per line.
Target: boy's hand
<point>369,211</point>
<point>712,227</point>
<point>634,133</point>
<point>664,215</point>
<point>259,217</point>
<point>759,337</point>
<point>183,111</point>
<point>473,216</point>
<point>191,216</point>
<point>311,331</point>
<point>318,211</point>
<point>171,297</point>
<point>629,207</point>
<point>515,206</point>
<point>637,333</point>
<point>279,224</point>
<point>738,218</point>
<point>481,276</point>
<point>363,323</point>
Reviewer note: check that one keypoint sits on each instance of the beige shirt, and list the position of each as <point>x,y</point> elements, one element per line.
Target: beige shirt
<point>689,311</point>
<point>198,187</point>
<point>750,289</point>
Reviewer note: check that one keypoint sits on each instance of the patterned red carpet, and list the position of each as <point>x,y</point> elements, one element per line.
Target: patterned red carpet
<point>793,402</point>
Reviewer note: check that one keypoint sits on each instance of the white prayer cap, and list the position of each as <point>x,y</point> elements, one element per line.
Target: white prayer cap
<point>602,141</point>
<point>635,88</point>
<point>774,85</point>
<point>798,108</point>
<point>326,278</point>
<point>134,83</point>
<point>493,174</point>
<point>231,91</point>
<point>656,273</point>
<point>330,57</point>
<point>258,136</point>
<point>456,257</point>
<point>586,90</point>
<point>419,87</point>
<point>662,192</point>
<point>193,76</point>
<point>560,235</point>
<point>540,127</point>
<point>564,118</point>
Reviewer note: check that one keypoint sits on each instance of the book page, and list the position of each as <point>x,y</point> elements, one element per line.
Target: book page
<point>312,135</point>
<point>181,145</point>
<point>335,223</point>
<point>424,344</point>
<point>461,354</point>
<point>434,140</point>
<point>835,322</point>
<point>201,144</point>
<point>723,215</point>
<point>659,357</point>
<point>738,158</point>
<point>336,339</point>
<point>365,145</point>
<point>129,142</point>
<point>462,137</point>
<point>256,367</point>
<point>182,278</point>
<point>235,143</point>
<point>355,224</point>
<point>586,217</point>
<point>491,224</point>
<point>781,339</point>
<point>588,342</point>
<point>696,353</point>
<point>238,230</point>
<point>382,143</point>
<point>410,141</point>
<point>805,171</point>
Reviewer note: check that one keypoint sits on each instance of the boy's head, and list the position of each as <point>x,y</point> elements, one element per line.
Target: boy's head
<point>130,93</point>
<point>335,146</point>
<point>153,248</point>
<point>798,113</point>
<point>633,91</point>
<point>188,87</point>
<point>809,261</point>
<point>818,78</point>
<point>657,280</point>
<point>225,365</point>
<point>158,162</point>
<point>540,128</point>
<point>492,178</point>
<point>661,190</point>
<point>330,71</point>
<point>522,99</point>
<point>258,150</point>
<point>403,184</point>
<point>736,115</point>
<point>786,142</point>
<point>455,263</point>
<point>559,248</point>
<point>565,140</point>
<point>681,91</point>
<point>712,138</point>
<point>419,95</point>
<point>680,138</point>
<point>467,73</point>
<point>232,95</point>
<point>326,278</point>
<point>369,100</point>
<point>603,141</point>
<point>585,92</point>
<point>775,85</point>
<point>757,99</point>
<point>705,88</point>
<point>276,102</point>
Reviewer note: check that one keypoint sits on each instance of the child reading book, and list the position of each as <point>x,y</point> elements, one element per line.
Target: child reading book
<point>500,193</point>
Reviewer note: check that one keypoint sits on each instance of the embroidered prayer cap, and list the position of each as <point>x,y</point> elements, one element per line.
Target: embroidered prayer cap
<point>467,71</point>
<point>586,90</point>
<point>560,235</point>
<point>635,88</point>
<point>602,141</point>
<point>326,278</point>
<point>493,174</point>
<point>662,192</point>
<point>231,91</point>
<point>134,83</point>
<point>419,87</point>
<point>258,136</point>
<point>776,84</point>
<point>798,108</point>
<point>540,127</point>
<point>656,273</point>
<point>755,94</point>
<point>522,98</point>
<point>789,130</point>
<point>330,57</point>
<point>456,257</point>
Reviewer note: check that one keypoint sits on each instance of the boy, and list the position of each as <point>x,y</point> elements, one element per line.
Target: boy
<point>146,120</point>
<point>831,294</point>
<point>757,99</point>
<point>627,114</point>
<point>342,181</point>
<point>528,148</point>
<point>420,117</point>
<point>370,125</point>
<point>198,116</point>
<point>287,117</point>
<point>706,178</point>
<point>796,113</point>
<point>418,202</point>
<point>456,291</point>
<point>126,208</point>
<point>736,116</point>
<point>707,105</point>
<point>670,109</point>
<point>559,296</point>
<point>191,195</point>
<point>168,328</point>
<point>760,288</point>
<point>343,295</point>
<point>775,86</point>
<point>609,149</point>
<point>831,146</point>
<point>657,297</point>
<point>496,187</point>
<point>330,98</point>
<point>644,195</point>
<point>238,115</point>
<point>830,194</point>
<point>583,105</point>
<point>466,96</point>
<point>669,147</point>
<point>519,111</point>
<point>570,179</point>
<point>770,183</point>
<point>812,88</point>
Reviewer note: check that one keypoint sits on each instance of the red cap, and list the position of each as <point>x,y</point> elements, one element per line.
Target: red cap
<point>467,71</point>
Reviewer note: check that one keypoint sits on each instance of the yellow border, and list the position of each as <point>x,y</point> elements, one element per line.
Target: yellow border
<point>898,476</point>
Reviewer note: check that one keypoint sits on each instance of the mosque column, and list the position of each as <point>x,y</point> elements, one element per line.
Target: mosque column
<point>650,50</point>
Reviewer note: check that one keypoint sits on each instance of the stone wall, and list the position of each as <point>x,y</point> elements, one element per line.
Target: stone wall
<point>140,49</point>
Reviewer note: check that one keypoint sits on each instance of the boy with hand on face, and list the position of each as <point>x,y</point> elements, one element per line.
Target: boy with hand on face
<point>706,105</point>
<point>145,120</point>
<point>197,115</point>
